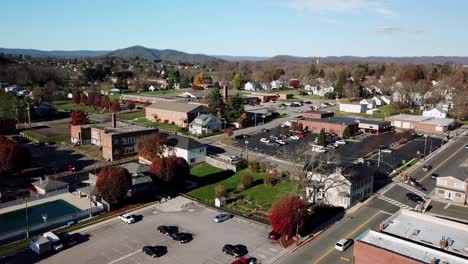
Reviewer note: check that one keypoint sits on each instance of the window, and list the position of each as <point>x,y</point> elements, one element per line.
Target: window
<point>458,195</point>
<point>442,182</point>
<point>116,151</point>
<point>129,150</point>
<point>192,160</point>
<point>442,192</point>
<point>115,141</point>
<point>201,150</point>
<point>459,185</point>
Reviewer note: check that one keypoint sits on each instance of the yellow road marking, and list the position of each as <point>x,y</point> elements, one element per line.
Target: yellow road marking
<point>348,236</point>
<point>442,163</point>
<point>346,259</point>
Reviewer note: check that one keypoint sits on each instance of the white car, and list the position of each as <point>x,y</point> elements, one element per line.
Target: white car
<point>281,142</point>
<point>264,140</point>
<point>343,244</point>
<point>340,142</point>
<point>386,150</point>
<point>127,218</point>
<point>222,217</point>
<point>234,159</point>
<point>295,137</point>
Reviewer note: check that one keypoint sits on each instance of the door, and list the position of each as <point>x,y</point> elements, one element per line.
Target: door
<point>448,195</point>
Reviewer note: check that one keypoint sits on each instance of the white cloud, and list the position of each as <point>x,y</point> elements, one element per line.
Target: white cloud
<point>397,30</point>
<point>342,6</point>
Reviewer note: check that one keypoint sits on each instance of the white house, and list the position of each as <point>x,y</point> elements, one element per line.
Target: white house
<point>277,84</point>
<point>205,124</point>
<point>152,88</point>
<point>378,101</point>
<point>353,108</point>
<point>252,86</point>
<point>435,112</point>
<point>385,99</point>
<point>343,187</point>
<point>452,188</point>
<point>187,148</point>
<point>265,86</point>
<point>369,103</point>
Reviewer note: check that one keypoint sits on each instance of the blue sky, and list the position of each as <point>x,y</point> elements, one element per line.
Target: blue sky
<point>241,27</point>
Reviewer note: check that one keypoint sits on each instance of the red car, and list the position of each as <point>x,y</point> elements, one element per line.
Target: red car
<point>300,135</point>
<point>240,261</point>
<point>274,235</point>
<point>312,107</point>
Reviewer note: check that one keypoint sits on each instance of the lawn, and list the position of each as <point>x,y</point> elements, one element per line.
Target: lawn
<point>58,132</point>
<point>132,115</point>
<point>259,194</point>
<point>91,150</point>
<point>171,91</point>
<point>204,169</point>
<point>161,126</point>
<point>70,106</point>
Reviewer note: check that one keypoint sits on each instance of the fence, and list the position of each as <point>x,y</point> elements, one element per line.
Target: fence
<point>32,197</point>
<point>21,233</point>
<point>220,163</point>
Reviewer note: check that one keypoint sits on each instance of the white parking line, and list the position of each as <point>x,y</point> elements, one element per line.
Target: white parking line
<point>124,257</point>
<point>447,206</point>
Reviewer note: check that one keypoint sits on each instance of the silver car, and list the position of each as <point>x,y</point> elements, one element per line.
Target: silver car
<point>222,217</point>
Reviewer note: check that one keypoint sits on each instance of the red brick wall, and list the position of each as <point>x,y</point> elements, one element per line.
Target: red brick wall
<point>366,254</point>
<point>336,129</point>
<point>318,115</point>
<point>171,116</point>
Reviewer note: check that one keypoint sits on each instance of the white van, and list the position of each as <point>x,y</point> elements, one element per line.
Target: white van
<point>54,240</point>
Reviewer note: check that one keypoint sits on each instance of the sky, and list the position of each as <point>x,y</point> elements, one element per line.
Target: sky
<point>241,27</point>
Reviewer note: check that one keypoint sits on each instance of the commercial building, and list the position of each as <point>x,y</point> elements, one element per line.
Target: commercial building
<point>332,125</point>
<point>353,108</point>
<point>178,113</point>
<point>423,124</point>
<point>411,237</point>
<point>318,114</point>
<point>452,188</point>
<point>117,139</point>
<point>373,126</point>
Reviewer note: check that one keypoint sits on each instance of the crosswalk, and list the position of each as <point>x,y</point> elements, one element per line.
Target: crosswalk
<point>395,202</point>
<point>412,189</point>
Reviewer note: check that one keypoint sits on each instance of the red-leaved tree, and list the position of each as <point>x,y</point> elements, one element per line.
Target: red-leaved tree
<point>78,117</point>
<point>229,132</point>
<point>83,98</point>
<point>152,146</point>
<point>105,102</point>
<point>113,184</point>
<point>288,214</point>
<point>13,157</point>
<point>170,172</point>
<point>115,106</point>
<point>97,101</point>
<point>76,97</point>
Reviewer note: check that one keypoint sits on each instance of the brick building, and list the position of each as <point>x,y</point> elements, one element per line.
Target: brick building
<point>423,124</point>
<point>410,237</point>
<point>332,125</point>
<point>116,139</point>
<point>318,114</point>
<point>178,113</point>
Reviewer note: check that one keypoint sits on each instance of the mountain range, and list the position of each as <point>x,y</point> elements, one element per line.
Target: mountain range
<point>179,56</point>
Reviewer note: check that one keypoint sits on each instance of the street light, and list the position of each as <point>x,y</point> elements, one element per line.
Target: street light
<point>246,150</point>
<point>263,117</point>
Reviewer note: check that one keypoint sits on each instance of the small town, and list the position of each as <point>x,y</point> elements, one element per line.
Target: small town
<point>114,153</point>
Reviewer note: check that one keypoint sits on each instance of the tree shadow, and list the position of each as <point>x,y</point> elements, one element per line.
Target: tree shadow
<point>212,178</point>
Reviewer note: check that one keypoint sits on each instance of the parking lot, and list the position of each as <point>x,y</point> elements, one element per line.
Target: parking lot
<point>118,242</point>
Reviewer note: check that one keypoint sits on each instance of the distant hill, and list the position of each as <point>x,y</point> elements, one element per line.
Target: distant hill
<point>179,56</point>
<point>165,55</point>
<point>54,53</point>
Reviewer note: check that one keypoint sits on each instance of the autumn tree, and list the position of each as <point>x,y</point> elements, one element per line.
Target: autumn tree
<point>199,79</point>
<point>170,172</point>
<point>220,191</point>
<point>229,132</point>
<point>131,105</point>
<point>13,157</point>
<point>113,184</point>
<point>105,102</point>
<point>152,146</point>
<point>288,215</point>
<point>238,81</point>
<point>246,180</point>
<point>115,106</point>
<point>215,101</point>
<point>78,117</point>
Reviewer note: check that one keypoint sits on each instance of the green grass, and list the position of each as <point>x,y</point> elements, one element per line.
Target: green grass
<point>71,107</point>
<point>204,169</point>
<point>132,115</point>
<point>91,150</point>
<point>259,194</point>
<point>33,135</point>
<point>162,126</point>
<point>171,91</point>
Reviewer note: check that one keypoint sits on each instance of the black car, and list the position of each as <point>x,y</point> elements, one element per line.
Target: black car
<point>168,230</point>
<point>241,136</point>
<point>414,197</point>
<point>153,251</point>
<point>69,239</point>
<point>233,250</point>
<point>181,237</point>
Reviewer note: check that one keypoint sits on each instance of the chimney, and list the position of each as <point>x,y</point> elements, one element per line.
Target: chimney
<point>114,121</point>
<point>443,244</point>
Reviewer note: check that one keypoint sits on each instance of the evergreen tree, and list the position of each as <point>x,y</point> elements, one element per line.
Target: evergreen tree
<point>237,81</point>
<point>215,101</point>
<point>234,108</point>
<point>322,138</point>
<point>346,133</point>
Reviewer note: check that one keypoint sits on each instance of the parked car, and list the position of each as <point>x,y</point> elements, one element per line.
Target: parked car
<point>274,144</point>
<point>222,217</point>
<point>127,218</point>
<point>466,146</point>
<point>281,142</point>
<point>234,159</point>
<point>300,135</point>
<point>295,137</point>
<point>181,237</point>
<point>233,250</point>
<point>414,197</point>
<point>386,150</point>
<point>343,244</point>
<point>265,130</point>
<point>274,235</point>
<point>434,176</point>
<point>68,239</point>
<point>167,230</point>
<point>264,140</point>
<point>426,167</point>
<point>241,136</point>
<point>152,251</point>
<point>340,142</point>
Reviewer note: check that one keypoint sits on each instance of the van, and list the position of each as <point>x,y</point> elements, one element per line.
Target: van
<point>54,240</point>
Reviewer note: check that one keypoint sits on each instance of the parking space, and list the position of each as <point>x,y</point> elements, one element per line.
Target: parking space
<point>117,242</point>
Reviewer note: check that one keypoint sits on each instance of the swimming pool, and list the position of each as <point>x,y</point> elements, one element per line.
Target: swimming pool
<point>15,220</point>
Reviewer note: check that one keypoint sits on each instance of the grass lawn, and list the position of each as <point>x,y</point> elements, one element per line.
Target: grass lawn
<point>162,126</point>
<point>171,91</point>
<point>132,115</point>
<point>204,169</point>
<point>71,106</point>
<point>91,150</point>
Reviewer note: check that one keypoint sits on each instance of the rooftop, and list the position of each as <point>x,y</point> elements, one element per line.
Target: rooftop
<point>135,167</point>
<point>183,142</point>
<point>408,248</point>
<point>50,184</point>
<point>179,107</point>
<point>333,120</point>
<point>406,117</point>
<point>372,121</point>
<point>120,127</point>
<point>429,230</point>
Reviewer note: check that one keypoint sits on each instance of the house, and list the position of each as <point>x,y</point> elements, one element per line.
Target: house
<point>252,86</point>
<point>178,113</point>
<point>385,99</point>
<point>49,185</point>
<point>294,83</point>
<point>453,189</point>
<point>141,180</point>
<point>116,139</point>
<point>342,187</point>
<point>152,88</point>
<point>436,113</point>
<point>277,84</point>
<point>378,101</point>
<point>205,124</point>
<point>187,148</point>
<point>369,103</point>
<point>265,86</point>
<point>353,108</point>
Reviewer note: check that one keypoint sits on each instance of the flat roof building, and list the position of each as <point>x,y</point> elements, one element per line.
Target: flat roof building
<point>419,123</point>
<point>411,237</point>
<point>332,125</point>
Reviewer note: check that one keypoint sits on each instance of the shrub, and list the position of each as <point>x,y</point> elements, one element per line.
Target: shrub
<point>246,180</point>
<point>131,105</point>
<point>166,121</point>
<point>220,191</point>
<point>254,166</point>
<point>268,180</point>
<point>229,132</point>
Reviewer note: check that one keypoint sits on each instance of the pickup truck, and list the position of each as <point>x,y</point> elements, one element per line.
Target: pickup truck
<point>54,240</point>
<point>127,218</point>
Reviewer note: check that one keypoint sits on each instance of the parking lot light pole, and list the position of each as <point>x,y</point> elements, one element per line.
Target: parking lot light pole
<point>425,145</point>
<point>246,150</point>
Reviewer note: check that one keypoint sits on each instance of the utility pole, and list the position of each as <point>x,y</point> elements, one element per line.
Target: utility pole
<point>246,150</point>
<point>378,160</point>
<point>425,145</point>
<point>27,220</point>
